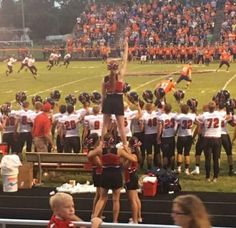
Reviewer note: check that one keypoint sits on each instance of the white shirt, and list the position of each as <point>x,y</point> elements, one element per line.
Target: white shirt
<point>212,124</point>
<point>185,123</point>
<point>25,123</point>
<point>11,61</point>
<point>94,123</point>
<point>168,122</point>
<point>71,124</point>
<point>150,121</point>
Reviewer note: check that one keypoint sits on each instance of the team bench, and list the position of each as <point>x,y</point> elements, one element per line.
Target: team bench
<point>58,162</point>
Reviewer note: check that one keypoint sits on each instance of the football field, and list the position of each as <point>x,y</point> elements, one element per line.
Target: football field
<point>87,76</point>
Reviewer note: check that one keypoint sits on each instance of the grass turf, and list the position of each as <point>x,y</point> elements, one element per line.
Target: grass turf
<point>87,76</point>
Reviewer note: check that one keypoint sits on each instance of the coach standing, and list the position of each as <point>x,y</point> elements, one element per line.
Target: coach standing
<point>42,130</point>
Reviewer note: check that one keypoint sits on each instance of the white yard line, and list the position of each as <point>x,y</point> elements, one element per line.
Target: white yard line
<point>230,80</point>
<point>156,79</point>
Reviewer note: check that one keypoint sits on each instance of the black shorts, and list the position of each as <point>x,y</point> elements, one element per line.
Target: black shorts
<point>133,183</point>
<point>96,178</point>
<point>168,146</point>
<point>111,178</point>
<point>184,144</point>
<point>183,77</point>
<point>113,104</point>
<point>226,143</point>
<point>151,142</point>
<point>224,63</point>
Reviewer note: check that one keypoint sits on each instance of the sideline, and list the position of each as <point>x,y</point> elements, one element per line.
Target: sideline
<point>229,81</point>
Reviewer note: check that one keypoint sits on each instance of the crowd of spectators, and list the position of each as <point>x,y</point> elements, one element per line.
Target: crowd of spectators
<point>166,22</point>
<point>98,24</point>
<point>228,27</point>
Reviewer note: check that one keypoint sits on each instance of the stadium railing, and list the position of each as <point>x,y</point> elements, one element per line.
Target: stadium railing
<point>22,222</point>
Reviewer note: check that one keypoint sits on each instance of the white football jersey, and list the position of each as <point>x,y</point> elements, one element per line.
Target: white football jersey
<point>67,56</point>
<point>168,122</point>
<point>25,60</point>
<point>136,124</point>
<point>71,124</point>
<point>150,121</point>
<point>223,123</point>
<point>11,61</point>
<point>212,124</point>
<point>10,122</point>
<point>94,123</point>
<point>31,62</point>
<point>25,123</point>
<point>185,123</point>
<point>128,116</point>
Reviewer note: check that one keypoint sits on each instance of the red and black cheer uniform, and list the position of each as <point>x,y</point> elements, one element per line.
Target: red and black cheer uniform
<point>131,177</point>
<point>113,101</point>
<point>111,177</point>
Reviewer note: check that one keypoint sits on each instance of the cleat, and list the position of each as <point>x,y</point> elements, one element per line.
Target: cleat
<point>196,171</point>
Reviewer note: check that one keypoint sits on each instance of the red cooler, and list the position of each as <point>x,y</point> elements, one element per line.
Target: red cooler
<point>150,187</point>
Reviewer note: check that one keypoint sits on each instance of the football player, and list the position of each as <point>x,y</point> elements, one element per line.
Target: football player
<point>225,138</point>
<point>211,123</point>
<point>66,60</point>
<point>31,66</point>
<point>166,136</point>
<point>185,122</point>
<point>225,59</point>
<point>186,74</point>
<point>8,121</point>
<point>149,122</point>
<point>24,124</point>
<point>70,127</point>
<point>10,63</point>
<point>24,64</point>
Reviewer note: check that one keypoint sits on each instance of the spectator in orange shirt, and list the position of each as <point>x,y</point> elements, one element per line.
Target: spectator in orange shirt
<point>186,74</point>
<point>224,60</point>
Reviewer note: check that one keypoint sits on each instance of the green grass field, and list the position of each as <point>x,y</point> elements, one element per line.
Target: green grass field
<point>87,76</point>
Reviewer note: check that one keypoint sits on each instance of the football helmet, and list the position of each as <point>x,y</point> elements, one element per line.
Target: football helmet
<point>20,97</point>
<point>159,93</point>
<point>55,95</point>
<point>112,65</point>
<point>84,98</point>
<point>6,108</point>
<point>96,97</point>
<point>71,99</point>
<point>148,96</point>
<point>192,103</point>
<point>179,95</point>
<point>126,87</point>
<point>133,97</point>
<point>36,98</point>
<point>222,96</point>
